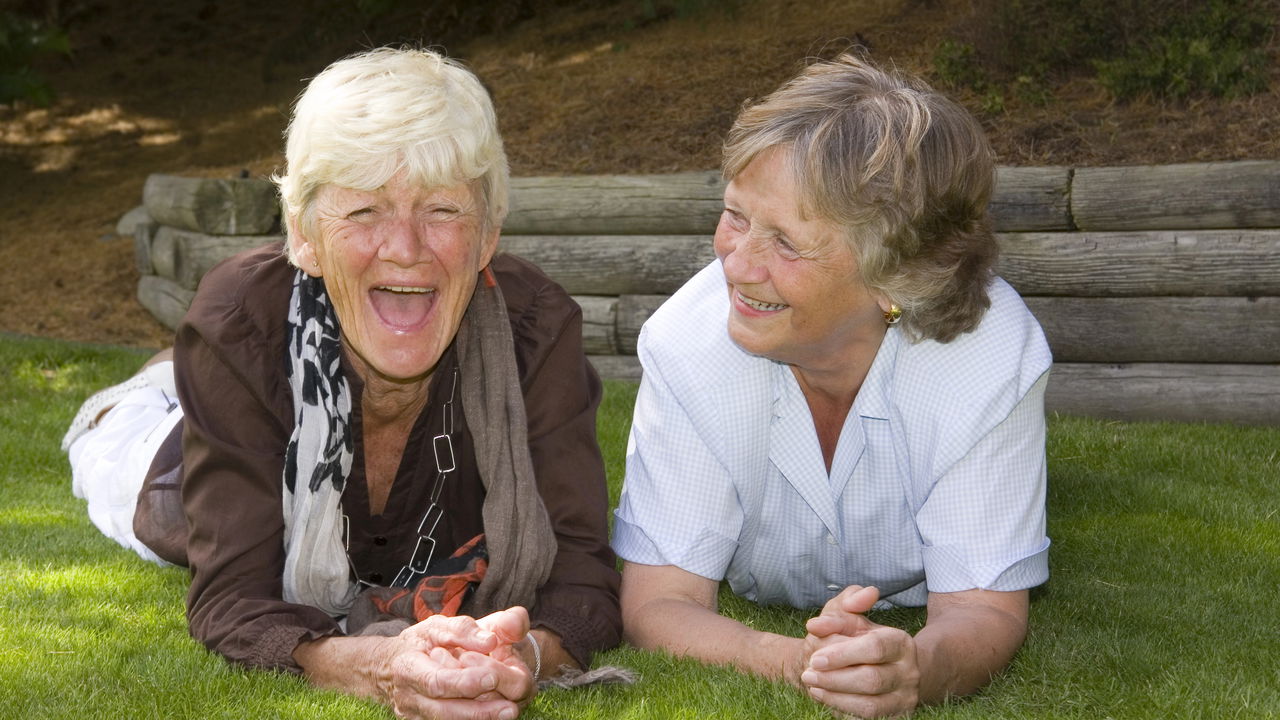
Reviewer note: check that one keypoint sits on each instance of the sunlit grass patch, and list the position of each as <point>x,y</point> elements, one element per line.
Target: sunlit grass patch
<point>1162,601</point>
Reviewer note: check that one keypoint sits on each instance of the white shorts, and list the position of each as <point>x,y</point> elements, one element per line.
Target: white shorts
<point>110,460</point>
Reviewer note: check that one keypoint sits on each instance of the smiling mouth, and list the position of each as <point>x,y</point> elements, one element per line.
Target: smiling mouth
<point>761,306</point>
<point>401,307</point>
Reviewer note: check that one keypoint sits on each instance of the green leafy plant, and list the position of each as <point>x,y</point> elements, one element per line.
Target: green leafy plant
<point>1164,48</point>
<point>22,40</point>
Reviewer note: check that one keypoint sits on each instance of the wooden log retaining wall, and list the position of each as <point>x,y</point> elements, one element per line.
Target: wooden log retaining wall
<point>1158,287</point>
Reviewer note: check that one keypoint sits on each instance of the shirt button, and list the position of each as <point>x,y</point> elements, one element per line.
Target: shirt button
<point>375,578</point>
<point>831,539</point>
<point>380,540</point>
<point>833,587</point>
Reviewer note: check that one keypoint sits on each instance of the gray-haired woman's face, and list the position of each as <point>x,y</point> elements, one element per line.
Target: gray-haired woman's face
<point>400,264</point>
<point>795,293</point>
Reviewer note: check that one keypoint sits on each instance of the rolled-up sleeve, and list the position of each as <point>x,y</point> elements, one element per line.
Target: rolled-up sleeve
<point>983,524</point>
<point>679,505</point>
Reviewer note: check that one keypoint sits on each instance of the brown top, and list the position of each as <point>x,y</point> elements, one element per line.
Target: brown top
<point>230,366</point>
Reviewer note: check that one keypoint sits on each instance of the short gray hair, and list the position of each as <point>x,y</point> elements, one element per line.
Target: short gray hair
<point>904,171</point>
<point>371,115</point>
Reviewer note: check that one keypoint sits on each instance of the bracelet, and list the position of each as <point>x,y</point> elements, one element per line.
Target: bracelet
<point>537,655</point>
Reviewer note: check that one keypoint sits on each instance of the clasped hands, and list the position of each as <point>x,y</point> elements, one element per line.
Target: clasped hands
<point>459,667</point>
<point>855,666</point>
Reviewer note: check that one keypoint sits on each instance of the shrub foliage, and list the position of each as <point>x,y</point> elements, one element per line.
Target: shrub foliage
<point>1163,48</point>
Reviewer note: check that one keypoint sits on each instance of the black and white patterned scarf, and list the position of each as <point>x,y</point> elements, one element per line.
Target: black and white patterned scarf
<point>318,458</point>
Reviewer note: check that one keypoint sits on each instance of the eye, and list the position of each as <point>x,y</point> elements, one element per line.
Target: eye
<point>785,248</point>
<point>361,212</point>
<point>735,220</point>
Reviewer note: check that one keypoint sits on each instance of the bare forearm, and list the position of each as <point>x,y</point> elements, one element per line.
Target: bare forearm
<point>960,652</point>
<point>350,664</point>
<point>683,627</point>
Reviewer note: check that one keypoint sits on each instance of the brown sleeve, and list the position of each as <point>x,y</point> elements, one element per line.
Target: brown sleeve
<point>233,453</point>
<point>579,602</point>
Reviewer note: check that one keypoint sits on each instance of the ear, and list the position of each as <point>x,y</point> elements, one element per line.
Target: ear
<point>302,249</point>
<point>489,247</point>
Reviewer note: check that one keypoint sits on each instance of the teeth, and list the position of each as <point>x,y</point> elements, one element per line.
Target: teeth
<point>761,306</point>
<point>403,289</point>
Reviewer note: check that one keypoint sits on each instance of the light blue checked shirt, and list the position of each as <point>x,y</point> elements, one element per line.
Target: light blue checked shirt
<point>937,484</point>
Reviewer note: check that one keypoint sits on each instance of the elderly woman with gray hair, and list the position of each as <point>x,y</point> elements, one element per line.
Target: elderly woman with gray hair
<point>845,409</point>
<point>389,474</point>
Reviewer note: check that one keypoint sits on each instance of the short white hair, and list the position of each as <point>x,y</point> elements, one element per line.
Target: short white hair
<point>369,116</point>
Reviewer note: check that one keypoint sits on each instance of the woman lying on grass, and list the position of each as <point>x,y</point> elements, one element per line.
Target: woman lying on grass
<point>845,409</point>
<point>385,439</point>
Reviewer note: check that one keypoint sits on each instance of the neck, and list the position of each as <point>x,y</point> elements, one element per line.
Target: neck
<point>388,401</point>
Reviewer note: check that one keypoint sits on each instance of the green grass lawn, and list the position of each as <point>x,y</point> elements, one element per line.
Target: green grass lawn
<point>1164,600</point>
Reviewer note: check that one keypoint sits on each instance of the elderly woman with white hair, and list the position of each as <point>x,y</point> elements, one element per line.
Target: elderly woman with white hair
<point>845,409</point>
<point>389,474</point>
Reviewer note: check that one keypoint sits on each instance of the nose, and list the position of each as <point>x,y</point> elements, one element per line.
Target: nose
<point>403,243</point>
<point>740,254</point>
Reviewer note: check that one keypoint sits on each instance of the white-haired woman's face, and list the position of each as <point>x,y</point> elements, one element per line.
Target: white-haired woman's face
<point>795,293</point>
<point>400,264</point>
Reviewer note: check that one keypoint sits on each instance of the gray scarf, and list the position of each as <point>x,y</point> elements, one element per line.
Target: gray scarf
<point>521,543</point>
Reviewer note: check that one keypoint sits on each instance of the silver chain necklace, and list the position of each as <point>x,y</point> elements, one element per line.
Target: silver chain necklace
<point>425,548</point>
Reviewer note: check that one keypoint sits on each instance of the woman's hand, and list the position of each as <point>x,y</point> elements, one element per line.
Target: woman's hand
<point>856,666</point>
<point>459,667</point>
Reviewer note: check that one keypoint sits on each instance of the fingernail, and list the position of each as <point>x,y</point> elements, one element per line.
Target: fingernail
<point>808,677</point>
<point>490,682</point>
<point>507,714</point>
<point>819,662</point>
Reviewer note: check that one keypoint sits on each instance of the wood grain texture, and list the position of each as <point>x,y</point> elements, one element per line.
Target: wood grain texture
<point>1142,263</point>
<point>1168,330</point>
<point>1032,198</point>
<point>213,206</point>
<point>615,264</point>
<point>184,256</point>
<point>1244,194</point>
<point>1180,392</point>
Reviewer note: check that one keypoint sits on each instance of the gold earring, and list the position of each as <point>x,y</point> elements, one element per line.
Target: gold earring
<point>893,314</point>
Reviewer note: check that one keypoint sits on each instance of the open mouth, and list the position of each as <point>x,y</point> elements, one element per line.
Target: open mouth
<point>402,308</point>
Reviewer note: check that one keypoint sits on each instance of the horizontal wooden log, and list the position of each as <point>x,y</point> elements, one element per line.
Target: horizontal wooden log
<point>671,204</point>
<point>143,235</point>
<point>1171,330</point>
<point>184,256</point>
<point>633,310</point>
<point>1143,263</point>
<point>1032,198</point>
<point>130,220</point>
<point>1242,194</point>
<point>213,206</point>
<point>1114,330</point>
<point>1180,392</point>
<point>616,367</point>
<point>599,324</point>
<point>615,264</point>
<point>164,299</point>
<point>1025,199</point>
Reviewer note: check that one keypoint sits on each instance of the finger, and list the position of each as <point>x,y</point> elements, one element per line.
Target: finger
<point>514,680</point>
<point>860,706</point>
<point>438,674</point>
<point>458,631</point>
<point>880,646</point>
<point>855,680</point>
<point>860,600</point>
<point>456,709</point>
<point>510,625</point>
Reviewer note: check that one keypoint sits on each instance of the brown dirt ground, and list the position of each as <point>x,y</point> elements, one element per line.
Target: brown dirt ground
<point>203,88</point>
